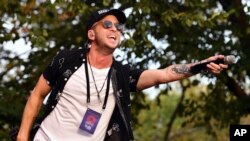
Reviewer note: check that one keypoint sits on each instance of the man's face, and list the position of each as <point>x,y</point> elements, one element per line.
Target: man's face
<point>107,32</point>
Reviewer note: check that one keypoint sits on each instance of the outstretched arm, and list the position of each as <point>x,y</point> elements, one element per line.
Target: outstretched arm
<point>171,73</point>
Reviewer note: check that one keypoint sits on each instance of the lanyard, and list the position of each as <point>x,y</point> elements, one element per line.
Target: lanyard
<point>88,87</point>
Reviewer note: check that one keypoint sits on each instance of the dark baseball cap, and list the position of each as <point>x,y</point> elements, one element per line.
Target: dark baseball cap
<point>99,14</point>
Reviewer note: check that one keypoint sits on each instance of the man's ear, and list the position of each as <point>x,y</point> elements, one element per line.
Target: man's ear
<point>91,34</point>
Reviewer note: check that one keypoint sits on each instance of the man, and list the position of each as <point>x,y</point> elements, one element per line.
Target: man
<point>91,90</point>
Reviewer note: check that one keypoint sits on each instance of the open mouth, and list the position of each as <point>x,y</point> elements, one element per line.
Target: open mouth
<point>112,37</point>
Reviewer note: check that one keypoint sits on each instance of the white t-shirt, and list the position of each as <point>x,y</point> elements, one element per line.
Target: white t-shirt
<point>63,123</point>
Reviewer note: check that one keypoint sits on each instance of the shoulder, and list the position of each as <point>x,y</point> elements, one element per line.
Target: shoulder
<point>70,54</point>
<point>126,68</point>
<point>121,67</point>
<point>67,56</point>
<point>72,51</point>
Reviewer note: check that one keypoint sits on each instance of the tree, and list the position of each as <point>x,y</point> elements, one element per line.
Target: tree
<point>163,33</point>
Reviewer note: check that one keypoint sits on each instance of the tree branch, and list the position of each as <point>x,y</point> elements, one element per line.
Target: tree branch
<point>171,122</point>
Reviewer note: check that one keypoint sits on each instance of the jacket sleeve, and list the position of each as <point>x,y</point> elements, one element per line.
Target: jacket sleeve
<point>52,72</point>
<point>134,75</point>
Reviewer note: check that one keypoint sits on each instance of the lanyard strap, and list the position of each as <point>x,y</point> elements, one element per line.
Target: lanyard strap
<point>88,87</point>
<point>107,90</point>
<point>87,79</point>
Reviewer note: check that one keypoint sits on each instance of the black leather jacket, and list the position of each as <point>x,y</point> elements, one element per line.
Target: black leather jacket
<point>124,80</point>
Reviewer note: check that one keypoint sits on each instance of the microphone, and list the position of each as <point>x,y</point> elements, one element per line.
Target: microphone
<point>230,59</point>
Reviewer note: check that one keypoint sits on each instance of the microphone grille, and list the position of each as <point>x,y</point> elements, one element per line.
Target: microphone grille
<point>230,59</point>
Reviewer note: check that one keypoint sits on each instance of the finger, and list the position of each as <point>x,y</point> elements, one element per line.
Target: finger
<point>214,66</point>
<point>214,71</point>
<point>224,66</point>
<point>212,58</point>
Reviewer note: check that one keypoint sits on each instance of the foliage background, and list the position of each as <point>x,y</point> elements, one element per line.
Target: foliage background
<point>161,32</point>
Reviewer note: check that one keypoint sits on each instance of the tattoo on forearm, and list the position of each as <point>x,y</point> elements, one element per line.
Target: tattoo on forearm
<point>181,69</point>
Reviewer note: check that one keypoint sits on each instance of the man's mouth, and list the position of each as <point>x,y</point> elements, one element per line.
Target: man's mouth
<point>112,37</point>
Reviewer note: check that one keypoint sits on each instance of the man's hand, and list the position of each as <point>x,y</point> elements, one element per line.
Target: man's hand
<point>216,68</point>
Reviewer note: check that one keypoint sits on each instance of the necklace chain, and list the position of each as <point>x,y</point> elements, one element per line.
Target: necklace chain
<point>98,91</point>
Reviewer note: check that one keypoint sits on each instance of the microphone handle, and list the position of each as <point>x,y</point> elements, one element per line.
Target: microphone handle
<point>203,66</point>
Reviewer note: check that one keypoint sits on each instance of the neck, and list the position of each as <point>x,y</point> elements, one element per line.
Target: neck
<point>99,59</point>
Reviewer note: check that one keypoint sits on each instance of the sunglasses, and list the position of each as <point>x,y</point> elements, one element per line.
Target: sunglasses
<point>108,24</point>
